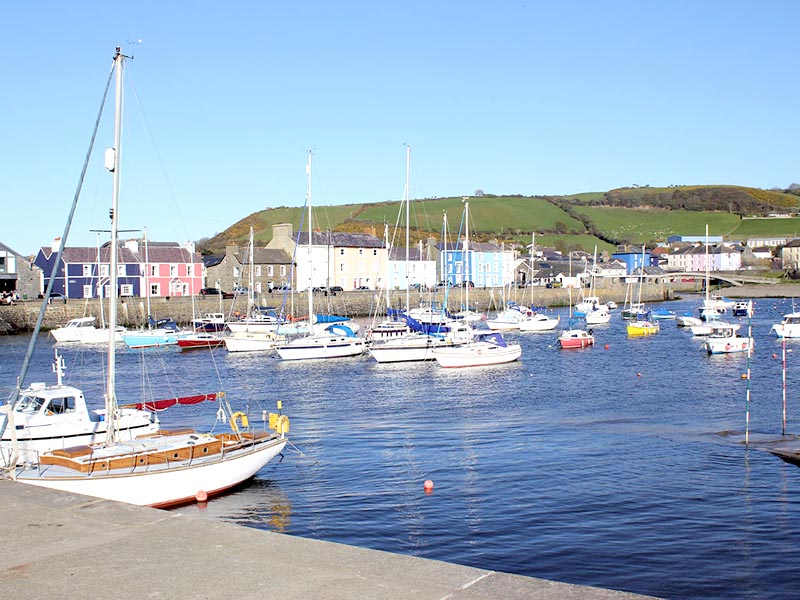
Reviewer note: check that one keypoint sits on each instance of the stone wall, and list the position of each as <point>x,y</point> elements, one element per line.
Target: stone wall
<point>133,313</point>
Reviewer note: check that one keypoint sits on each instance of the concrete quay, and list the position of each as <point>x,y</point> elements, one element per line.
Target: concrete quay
<point>61,545</point>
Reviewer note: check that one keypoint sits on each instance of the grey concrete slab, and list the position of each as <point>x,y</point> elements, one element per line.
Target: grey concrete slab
<point>69,546</point>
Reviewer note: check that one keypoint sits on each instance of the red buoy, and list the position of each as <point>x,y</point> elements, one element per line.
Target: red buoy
<point>428,486</point>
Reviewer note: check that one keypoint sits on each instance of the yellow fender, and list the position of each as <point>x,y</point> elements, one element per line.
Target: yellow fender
<point>280,423</point>
<point>235,417</point>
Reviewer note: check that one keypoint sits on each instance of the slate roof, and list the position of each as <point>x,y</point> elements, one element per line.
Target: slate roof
<point>264,256</point>
<point>400,254</point>
<point>166,252</point>
<point>341,240</point>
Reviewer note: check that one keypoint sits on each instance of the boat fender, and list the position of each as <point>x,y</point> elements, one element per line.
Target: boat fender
<point>289,318</point>
<point>235,417</point>
<point>280,423</point>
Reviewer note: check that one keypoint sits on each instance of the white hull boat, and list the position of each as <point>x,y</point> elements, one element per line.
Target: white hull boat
<point>539,322</point>
<point>163,468</point>
<point>253,342</point>
<point>82,331</point>
<point>321,346</point>
<point>789,327</point>
<point>486,350</point>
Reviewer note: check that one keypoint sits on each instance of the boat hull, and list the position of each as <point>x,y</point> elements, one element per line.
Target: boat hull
<point>160,487</point>
<point>479,354</point>
<point>314,347</point>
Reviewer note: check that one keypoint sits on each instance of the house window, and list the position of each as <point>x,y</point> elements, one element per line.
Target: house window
<point>173,270</point>
<point>283,270</point>
<point>155,289</point>
<point>341,251</point>
<point>236,272</point>
<point>87,272</point>
<point>188,270</point>
<point>120,270</point>
<point>270,271</point>
<point>104,270</point>
<point>87,291</point>
<point>341,266</point>
<point>258,270</point>
<point>153,270</point>
<point>375,252</point>
<point>258,287</point>
<point>126,289</point>
<point>361,252</point>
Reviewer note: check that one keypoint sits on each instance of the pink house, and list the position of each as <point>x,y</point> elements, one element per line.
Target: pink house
<point>168,268</point>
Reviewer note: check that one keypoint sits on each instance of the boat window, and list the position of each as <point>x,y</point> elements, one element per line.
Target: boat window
<point>30,404</point>
<point>62,405</point>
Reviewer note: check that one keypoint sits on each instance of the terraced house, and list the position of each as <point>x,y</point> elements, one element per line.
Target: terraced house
<point>347,260</point>
<point>163,268</point>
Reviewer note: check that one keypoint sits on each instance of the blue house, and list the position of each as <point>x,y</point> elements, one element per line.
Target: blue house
<point>82,273</point>
<point>632,257</point>
<point>485,265</point>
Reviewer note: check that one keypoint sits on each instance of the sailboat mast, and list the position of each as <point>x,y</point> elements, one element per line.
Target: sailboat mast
<point>310,234</point>
<point>147,276</point>
<point>408,224</point>
<point>467,276</point>
<point>707,297</point>
<point>111,394</point>
<point>251,281</point>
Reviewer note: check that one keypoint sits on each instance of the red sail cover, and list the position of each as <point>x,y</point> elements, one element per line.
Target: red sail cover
<point>158,405</point>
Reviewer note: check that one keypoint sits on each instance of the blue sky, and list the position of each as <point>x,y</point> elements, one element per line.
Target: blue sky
<point>223,99</point>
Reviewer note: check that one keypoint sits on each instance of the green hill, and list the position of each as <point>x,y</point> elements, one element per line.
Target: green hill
<point>626,215</point>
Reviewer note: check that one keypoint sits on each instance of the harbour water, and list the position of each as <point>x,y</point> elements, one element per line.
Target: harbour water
<point>620,466</point>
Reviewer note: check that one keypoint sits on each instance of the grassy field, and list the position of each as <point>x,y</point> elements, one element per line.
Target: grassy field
<point>767,227</point>
<point>642,225</point>
<point>486,214</point>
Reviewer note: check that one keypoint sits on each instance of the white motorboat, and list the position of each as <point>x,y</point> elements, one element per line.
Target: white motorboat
<point>83,331</point>
<point>724,340</point>
<point>789,327</point>
<point>50,417</point>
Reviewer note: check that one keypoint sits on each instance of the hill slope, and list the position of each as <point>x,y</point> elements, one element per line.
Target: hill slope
<point>626,215</point>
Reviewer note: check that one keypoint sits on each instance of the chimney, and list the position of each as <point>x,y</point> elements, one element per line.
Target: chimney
<point>56,244</point>
<point>282,237</point>
<point>231,248</point>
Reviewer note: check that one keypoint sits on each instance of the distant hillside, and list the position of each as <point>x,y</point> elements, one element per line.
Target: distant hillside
<point>604,219</point>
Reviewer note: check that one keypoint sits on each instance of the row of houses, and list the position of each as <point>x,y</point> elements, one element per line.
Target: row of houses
<point>350,261</point>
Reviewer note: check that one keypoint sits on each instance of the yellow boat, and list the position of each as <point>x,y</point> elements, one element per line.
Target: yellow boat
<point>642,328</point>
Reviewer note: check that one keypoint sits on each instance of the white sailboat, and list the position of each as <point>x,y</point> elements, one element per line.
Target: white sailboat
<point>256,331</point>
<point>165,468</point>
<point>336,340</point>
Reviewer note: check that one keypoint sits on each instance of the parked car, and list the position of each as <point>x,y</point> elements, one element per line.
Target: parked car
<point>336,288</point>
<point>363,288</point>
<point>215,292</point>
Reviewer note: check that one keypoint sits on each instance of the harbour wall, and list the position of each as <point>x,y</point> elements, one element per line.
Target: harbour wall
<point>132,312</point>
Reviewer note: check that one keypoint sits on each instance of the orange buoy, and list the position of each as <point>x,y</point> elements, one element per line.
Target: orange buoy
<point>201,496</point>
<point>606,346</point>
<point>639,374</point>
<point>428,485</point>
<point>774,356</point>
<point>744,375</point>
